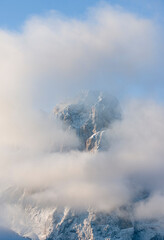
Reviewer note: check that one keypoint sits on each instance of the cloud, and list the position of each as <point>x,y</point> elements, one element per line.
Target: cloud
<point>152,208</point>
<point>111,45</point>
<point>104,180</point>
<point>55,56</point>
<point>110,38</point>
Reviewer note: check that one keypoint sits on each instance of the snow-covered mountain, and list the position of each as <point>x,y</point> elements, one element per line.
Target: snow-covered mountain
<point>89,115</point>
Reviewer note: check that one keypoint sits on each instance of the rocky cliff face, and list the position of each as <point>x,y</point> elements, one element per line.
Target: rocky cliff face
<point>90,114</point>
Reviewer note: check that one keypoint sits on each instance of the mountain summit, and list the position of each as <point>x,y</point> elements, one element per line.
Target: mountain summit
<point>90,114</point>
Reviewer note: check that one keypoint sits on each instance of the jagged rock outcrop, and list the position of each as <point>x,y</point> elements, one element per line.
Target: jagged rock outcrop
<point>90,114</point>
<point>90,225</point>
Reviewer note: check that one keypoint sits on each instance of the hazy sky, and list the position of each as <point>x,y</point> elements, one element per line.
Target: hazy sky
<point>13,13</point>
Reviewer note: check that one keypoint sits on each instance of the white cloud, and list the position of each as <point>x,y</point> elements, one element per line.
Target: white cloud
<point>54,53</point>
<point>110,46</point>
<point>104,180</point>
<point>152,208</point>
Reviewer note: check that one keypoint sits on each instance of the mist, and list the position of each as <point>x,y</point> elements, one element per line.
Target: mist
<point>52,58</point>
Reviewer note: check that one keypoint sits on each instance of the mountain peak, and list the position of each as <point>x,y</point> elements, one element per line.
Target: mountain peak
<point>89,114</point>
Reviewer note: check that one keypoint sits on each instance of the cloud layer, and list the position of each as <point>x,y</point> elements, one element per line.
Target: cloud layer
<point>53,57</point>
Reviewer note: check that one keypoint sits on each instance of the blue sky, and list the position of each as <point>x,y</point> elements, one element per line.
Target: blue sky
<point>13,13</point>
